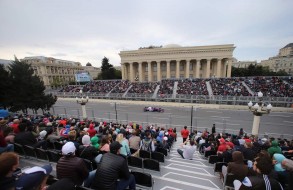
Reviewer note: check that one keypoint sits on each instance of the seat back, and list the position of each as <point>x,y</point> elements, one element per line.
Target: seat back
<point>144,154</point>
<point>151,164</point>
<point>218,166</point>
<point>228,180</point>
<point>88,164</point>
<point>214,159</point>
<point>207,153</point>
<point>162,150</point>
<point>132,150</point>
<point>135,161</point>
<point>58,145</point>
<point>143,179</point>
<point>158,156</point>
<point>41,154</point>
<point>53,156</point>
<point>29,151</point>
<point>18,148</point>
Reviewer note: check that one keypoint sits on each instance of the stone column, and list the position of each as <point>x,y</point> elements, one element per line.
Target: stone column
<point>159,74</point>
<point>229,68</point>
<point>149,72</point>
<point>140,79</point>
<point>197,68</point>
<point>177,69</point>
<point>122,72</point>
<point>187,68</point>
<point>131,72</point>
<point>219,68</point>
<point>208,71</point>
<point>168,69</point>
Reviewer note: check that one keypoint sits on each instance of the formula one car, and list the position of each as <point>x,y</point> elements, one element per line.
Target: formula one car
<point>153,109</point>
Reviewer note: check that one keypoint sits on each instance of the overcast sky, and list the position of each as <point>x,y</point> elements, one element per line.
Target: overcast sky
<point>88,30</point>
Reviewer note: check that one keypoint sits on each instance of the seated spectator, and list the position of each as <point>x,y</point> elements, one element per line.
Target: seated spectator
<point>86,150</point>
<point>32,178</point>
<point>188,150</point>
<point>274,148</point>
<point>288,166</point>
<point>4,147</point>
<point>105,144</point>
<point>72,167</point>
<point>262,166</point>
<point>9,135</point>
<point>237,167</point>
<point>222,147</point>
<point>248,152</point>
<point>95,142</point>
<point>281,172</point>
<point>134,140</point>
<point>26,137</point>
<point>92,132</point>
<point>147,143</point>
<point>124,150</point>
<point>111,168</point>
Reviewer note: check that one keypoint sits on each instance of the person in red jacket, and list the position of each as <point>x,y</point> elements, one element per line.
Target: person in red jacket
<point>92,132</point>
<point>184,133</point>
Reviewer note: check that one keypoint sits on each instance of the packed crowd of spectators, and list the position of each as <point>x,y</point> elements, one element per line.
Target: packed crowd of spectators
<point>100,86</point>
<point>121,87</point>
<point>192,87</point>
<point>71,88</point>
<point>166,87</point>
<point>84,140</point>
<point>143,87</point>
<point>229,87</point>
<point>270,86</point>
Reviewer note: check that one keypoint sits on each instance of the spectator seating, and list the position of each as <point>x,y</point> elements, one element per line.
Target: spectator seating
<point>143,180</point>
<point>228,181</point>
<point>144,154</point>
<point>151,164</point>
<point>134,161</point>
<point>158,156</point>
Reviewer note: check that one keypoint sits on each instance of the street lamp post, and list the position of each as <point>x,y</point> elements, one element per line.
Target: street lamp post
<point>82,101</point>
<point>258,109</point>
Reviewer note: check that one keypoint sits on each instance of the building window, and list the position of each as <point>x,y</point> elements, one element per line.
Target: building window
<point>163,67</point>
<point>181,67</point>
<point>191,67</point>
<point>155,68</point>
<point>173,66</point>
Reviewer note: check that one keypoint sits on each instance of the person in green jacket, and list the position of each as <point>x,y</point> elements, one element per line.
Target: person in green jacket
<point>95,142</point>
<point>274,148</point>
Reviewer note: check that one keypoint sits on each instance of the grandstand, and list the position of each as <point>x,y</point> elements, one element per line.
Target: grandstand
<point>237,91</point>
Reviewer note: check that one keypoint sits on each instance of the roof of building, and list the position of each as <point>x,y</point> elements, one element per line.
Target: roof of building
<point>88,64</point>
<point>4,61</point>
<point>171,46</point>
<point>289,45</point>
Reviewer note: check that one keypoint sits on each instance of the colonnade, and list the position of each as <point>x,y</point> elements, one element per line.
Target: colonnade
<point>166,69</point>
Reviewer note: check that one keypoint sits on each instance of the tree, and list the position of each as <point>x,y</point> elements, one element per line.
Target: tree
<point>27,90</point>
<point>5,84</point>
<point>108,71</point>
<point>255,70</point>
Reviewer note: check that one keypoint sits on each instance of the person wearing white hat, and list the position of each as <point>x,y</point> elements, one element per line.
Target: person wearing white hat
<point>70,166</point>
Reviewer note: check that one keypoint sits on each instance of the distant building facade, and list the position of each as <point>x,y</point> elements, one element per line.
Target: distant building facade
<point>243,64</point>
<point>53,72</point>
<point>173,61</point>
<point>93,71</point>
<point>282,62</point>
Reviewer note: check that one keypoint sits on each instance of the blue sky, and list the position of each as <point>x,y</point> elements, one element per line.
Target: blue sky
<point>88,30</point>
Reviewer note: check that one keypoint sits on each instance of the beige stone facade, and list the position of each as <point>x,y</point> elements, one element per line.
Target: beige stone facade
<point>53,72</point>
<point>282,62</point>
<point>244,64</point>
<point>173,61</point>
<point>93,71</point>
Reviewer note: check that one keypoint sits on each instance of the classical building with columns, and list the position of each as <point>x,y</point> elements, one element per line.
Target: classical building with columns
<point>173,61</point>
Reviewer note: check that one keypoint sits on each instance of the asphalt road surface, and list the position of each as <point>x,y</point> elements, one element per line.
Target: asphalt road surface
<point>276,123</point>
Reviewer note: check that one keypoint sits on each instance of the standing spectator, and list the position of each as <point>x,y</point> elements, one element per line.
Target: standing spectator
<point>111,168</point>
<point>188,150</point>
<point>184,133</point>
